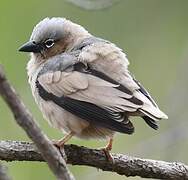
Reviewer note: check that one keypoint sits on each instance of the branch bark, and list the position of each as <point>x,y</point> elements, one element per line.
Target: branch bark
<point>123,164</point>
<point>26,121</point>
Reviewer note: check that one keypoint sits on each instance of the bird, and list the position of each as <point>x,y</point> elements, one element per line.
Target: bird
<point>82,84</point>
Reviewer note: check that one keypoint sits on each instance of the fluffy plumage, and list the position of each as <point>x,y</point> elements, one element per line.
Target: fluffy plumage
<point>82,83</point>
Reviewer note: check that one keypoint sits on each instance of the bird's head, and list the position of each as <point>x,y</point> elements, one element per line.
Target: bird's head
<point>53,36</point>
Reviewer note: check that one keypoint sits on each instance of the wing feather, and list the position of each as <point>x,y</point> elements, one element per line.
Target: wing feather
<point>88,111</point>
<point>91,89</point>
<point>99,101</point>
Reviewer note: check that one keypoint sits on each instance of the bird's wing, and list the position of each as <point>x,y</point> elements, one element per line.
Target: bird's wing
<point>90,95</point>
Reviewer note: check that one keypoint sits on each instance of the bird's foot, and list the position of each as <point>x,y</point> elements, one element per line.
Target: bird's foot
<point>107,150</point>
<point>109,157</point>
<point>60,145</point>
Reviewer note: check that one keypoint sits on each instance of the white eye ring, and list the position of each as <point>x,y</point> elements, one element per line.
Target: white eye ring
<point>49,43</point>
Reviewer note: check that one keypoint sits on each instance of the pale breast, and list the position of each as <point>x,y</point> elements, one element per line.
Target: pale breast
<point>55,115</point>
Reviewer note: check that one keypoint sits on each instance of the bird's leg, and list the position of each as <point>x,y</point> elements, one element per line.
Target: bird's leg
<point>107,150</point>
<point>60,143</point>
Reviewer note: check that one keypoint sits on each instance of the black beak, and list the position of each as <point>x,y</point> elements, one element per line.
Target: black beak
<point>31,46</point>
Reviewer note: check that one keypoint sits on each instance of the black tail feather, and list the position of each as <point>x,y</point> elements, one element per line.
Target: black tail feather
<point>152,123</point>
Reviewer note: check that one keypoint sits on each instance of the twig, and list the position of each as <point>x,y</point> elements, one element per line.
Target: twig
<point>93,4</point>
<point>27,122</point>
<point>123,165</point>
<point>3,173</point>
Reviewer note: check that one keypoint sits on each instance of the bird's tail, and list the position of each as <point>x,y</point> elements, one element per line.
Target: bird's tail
<point>151,113</point>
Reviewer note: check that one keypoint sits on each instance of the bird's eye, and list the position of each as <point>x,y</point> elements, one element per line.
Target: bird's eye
<point>49,43</point>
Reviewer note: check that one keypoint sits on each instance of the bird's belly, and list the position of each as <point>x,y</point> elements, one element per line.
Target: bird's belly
<point>62,119</point>
<point>68,122</point>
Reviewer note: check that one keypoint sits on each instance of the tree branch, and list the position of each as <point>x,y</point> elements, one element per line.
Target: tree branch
<point>123,165</point>
<point>26,121</point>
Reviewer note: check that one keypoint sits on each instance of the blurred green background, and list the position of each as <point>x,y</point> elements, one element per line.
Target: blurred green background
<point>154,34</point>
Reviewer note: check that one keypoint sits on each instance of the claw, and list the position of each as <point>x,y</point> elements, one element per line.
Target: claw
<point>108,155</point>
<point>107,150</point>
<point>60,143</point>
